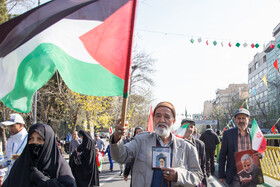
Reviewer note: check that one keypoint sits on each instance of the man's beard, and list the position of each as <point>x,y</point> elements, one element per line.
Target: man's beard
<point>242,126</point>
<point>163,131</point>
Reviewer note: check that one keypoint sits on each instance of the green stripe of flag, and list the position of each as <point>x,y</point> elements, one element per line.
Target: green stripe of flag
<point>39,66</point>
<point>254,128</point>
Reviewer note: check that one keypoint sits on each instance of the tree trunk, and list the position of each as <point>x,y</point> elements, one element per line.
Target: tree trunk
<point>88,120</point>
<point>3,135</point>
<point>75,118</point>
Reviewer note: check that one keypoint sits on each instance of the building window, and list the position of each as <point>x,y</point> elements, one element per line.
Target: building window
<point>256,65</point>
<point>264,58</point>
<point>250,71</point>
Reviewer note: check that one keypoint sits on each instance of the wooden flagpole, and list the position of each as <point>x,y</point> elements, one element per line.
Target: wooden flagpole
<point>127,74</point>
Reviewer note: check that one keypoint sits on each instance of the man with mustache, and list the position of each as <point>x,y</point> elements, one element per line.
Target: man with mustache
<point>184,170</point>
<point>234,140</point>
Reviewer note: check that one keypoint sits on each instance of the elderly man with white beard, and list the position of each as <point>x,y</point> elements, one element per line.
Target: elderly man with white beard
<point>184,167</point>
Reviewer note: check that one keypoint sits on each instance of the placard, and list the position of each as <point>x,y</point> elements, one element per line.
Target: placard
<point>248,168</point>
<point>161,157</point>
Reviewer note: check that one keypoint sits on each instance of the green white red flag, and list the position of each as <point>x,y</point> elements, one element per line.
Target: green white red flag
<point>87,41</point>
<point>180,132</point>
<point>111,130</point>
<point>258,140</point>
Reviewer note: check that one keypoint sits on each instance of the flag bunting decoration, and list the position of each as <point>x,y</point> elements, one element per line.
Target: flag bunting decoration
<point>180,132</point>
<point>150,126</point>
<point>215,41</point>
<point>192,40</point>
<point>275,64</point>
<point>88,42</point>
<point>258,140</point>
<point>264,80</point>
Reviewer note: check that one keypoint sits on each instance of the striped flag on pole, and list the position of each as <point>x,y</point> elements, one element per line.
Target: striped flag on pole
<point>87,41</point>
<point>180,133</point>
<point>111,130</point>
<point>258,140</point>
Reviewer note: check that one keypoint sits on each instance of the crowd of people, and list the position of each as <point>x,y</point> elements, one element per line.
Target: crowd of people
<point>33,158</point>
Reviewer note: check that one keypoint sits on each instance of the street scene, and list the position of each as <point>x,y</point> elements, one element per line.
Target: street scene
<point>113,178</point>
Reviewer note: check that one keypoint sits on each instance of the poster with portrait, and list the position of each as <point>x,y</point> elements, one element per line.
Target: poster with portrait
<point>248,168</point>
<point>161,157</point>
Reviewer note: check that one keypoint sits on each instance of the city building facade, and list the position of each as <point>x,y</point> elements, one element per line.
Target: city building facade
<point>264,99</point>
<point>233,93</point>
<point>258,92</point>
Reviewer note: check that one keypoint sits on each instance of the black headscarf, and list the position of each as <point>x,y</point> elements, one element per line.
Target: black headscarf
<point>136,130</point>
<point>49,162</point>
<point>86,174</point>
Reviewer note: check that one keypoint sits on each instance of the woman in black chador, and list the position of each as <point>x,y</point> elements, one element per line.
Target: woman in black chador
<point>83,162</point>
<point>40,164</point>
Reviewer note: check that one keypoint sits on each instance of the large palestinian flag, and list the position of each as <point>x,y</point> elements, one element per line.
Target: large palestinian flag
<point>87,41</point>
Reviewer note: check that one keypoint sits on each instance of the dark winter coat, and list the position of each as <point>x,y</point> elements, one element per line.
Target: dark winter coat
<point>210,139</point>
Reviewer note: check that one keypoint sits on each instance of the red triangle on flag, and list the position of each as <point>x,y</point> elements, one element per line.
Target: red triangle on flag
<point>275,64</point>
<point>150,126</point>
<point>108,43</point>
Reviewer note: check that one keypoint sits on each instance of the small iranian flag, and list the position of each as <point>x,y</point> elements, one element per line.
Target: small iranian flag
<point>258,140</point>
<point>111,130</point>
<point>181,131</point>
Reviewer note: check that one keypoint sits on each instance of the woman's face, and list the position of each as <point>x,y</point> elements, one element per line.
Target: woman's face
<point>138,131</point>
<point>35,138</point>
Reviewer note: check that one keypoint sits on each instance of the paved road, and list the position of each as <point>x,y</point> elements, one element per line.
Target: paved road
<point>109,178</point>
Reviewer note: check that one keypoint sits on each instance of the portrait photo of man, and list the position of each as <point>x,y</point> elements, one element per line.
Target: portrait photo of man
<point>161,157</point>
<point>161,161</point>
<point>251,174</point>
